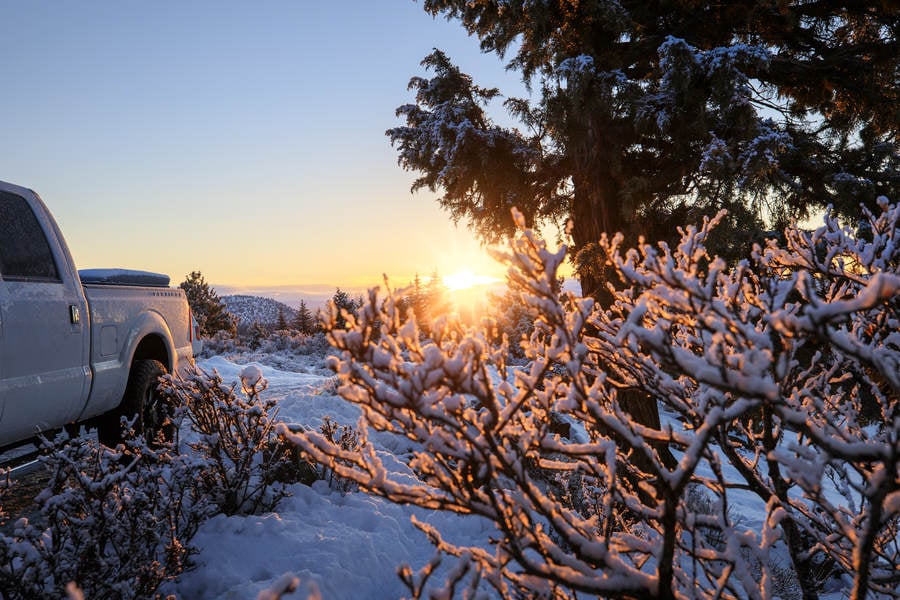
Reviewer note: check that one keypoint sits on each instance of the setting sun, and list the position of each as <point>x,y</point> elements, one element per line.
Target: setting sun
<point>465,279</point>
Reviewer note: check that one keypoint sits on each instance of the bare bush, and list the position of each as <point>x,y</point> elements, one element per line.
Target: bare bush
<point>762,372</point>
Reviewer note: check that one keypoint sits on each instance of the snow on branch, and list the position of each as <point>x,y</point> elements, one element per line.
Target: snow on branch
<point>775,468</point>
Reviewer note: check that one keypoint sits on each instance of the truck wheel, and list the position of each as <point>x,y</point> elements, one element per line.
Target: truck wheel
<point>141,399</point>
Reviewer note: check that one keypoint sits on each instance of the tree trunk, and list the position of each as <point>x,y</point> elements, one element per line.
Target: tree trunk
<point>596,211</point>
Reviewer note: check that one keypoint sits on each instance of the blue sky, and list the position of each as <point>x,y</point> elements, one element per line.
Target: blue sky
<point>242,139</point>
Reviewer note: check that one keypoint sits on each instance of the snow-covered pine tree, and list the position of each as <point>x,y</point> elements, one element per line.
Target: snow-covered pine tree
<point>779,380</point>
<point>207,307</point>
<point>644,114</point>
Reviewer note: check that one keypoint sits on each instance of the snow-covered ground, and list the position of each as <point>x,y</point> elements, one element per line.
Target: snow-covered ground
<point>348,546</point>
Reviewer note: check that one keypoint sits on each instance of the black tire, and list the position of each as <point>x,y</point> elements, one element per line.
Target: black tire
<point>142,400</point>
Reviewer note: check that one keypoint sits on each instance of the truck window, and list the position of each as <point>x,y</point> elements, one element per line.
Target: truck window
<point>24,250</point>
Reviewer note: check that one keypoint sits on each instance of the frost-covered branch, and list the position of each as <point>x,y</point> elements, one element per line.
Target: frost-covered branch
<point>777,385</point>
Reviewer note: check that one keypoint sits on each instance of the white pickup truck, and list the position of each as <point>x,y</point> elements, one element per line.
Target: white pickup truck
<point>79,347</point>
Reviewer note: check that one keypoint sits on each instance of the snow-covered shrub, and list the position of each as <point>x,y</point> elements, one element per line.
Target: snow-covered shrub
<point>347,439</point>
<point>236,439</point>
<point>116,523</point>
<point>278,341</point>
<point>761,373</point>
<point>294,342</point>
<point>313,344</point>
<point>514,319</point>
<point>287,585</point>
<point>220,343</point>
<point>6,492</point>
<point>328,388</point>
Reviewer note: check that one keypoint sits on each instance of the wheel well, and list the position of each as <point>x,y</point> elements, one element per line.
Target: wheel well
<point>152,347</point>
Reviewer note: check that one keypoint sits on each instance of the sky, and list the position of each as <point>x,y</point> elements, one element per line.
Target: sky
<point>244,140</point>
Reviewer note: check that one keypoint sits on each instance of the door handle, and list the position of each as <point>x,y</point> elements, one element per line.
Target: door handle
<point>74,315</point>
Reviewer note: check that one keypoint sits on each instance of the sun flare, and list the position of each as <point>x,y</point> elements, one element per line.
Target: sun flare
<point>466,279</point>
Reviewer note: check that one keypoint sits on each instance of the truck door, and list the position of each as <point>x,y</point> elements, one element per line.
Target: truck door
<point>42,336</point>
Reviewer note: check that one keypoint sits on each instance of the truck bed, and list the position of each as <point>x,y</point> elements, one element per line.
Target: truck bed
<point>121,314</point>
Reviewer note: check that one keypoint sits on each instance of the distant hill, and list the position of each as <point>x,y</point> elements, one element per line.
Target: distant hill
<point>256,309</point>
<point>315,295</point>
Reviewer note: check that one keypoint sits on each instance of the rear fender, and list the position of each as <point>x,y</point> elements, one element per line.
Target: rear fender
<point>148,337</point>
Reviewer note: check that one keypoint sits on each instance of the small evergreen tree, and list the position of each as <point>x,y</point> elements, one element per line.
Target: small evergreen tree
<point>436,296</point>
<point>305,322</point>
<point>419,301</point>
<point>343,302</point>
<point>208,308</point>
<point>281,323</point>
<point>427,301</point>
<point>257,334</point>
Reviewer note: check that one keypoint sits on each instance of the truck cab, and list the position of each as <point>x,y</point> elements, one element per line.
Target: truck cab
<point>69,349</point>
<point>44,340</point>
